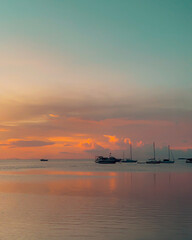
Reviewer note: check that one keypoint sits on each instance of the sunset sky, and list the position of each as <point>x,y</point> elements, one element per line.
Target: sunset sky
<point>80,78</point>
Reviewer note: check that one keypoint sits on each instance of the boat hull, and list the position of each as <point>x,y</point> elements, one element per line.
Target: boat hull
<point>153,162</point>
<point>167,161</point>
<point>106,160</point>
<point>189,160</point>
<point>129,161</point>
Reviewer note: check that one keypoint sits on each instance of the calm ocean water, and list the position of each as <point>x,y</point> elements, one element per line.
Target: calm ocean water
<point>79,199</point>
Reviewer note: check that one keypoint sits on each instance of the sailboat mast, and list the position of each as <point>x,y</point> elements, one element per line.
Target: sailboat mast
<point>169,152</point>
<point>154,149</point>
<point>130,151</point>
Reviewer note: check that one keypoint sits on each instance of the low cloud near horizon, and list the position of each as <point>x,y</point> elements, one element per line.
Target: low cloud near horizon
<point>34,143</point>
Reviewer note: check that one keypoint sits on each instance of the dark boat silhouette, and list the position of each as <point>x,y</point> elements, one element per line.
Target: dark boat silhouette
<point>43,160</point>
<point>189,160</point>
<point>106,160</point>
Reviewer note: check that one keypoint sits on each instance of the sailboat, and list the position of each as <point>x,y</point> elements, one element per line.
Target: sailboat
<point>153,160</point>
<point>129,160</point>
<point>168,160</point>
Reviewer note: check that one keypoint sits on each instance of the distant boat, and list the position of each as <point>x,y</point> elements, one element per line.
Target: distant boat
<point>129,160</point>
<point>181,158</point>
<point>106,160</point>
<point>43,160</point>
<point>189,160</point>
<point>153,160</point>
<point>168,160</point>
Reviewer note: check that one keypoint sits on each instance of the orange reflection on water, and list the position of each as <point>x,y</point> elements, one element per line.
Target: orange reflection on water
<point>79,183</point>
<point>57,172</point>
<point>112,184</point>
<point>140,186</point>
<point>55,182</point>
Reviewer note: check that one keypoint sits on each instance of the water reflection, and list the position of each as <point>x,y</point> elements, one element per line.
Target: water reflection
<point>121,185</point>
<point>95,205</point>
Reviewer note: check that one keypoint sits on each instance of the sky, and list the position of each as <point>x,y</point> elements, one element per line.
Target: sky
<point>80,78</point>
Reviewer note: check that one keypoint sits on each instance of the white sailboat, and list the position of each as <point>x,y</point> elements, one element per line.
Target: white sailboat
<point>153,160</point>
<point>168,160</point>
<point>129,160</point>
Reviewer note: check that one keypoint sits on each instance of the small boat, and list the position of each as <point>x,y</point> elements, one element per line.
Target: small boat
<point>168,160</point>
<point>106,160</point>
<point>129,160</point>
<point>43,160</point>
<point>153,160</point>
<point>189,160</point>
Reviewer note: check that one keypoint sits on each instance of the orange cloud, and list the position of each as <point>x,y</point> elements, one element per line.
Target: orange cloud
<point>14,139</point>
<point>127,140</point>
<point>3,130</point>
<point>112,139</point>
<point>53,115</point>
<point>87,144</point>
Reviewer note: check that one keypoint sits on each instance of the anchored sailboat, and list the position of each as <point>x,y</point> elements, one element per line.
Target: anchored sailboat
<point>168,160</point>
<point>129,160</point>
<point>153,160</point>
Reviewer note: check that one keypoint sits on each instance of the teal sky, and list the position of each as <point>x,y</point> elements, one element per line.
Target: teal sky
<point>97,60</point>
<point>150,40</point>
